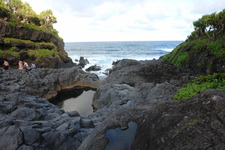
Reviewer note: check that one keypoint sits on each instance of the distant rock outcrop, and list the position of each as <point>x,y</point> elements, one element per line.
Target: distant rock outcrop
<point>93,68</point>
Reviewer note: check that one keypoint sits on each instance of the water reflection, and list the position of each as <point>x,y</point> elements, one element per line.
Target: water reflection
<point>79,100</point>
<point>121,140</point>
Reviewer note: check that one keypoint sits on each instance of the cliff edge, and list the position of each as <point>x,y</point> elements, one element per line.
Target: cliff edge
<point>22,43</point>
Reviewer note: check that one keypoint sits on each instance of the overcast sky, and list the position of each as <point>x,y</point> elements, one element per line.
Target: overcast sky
<point>126,20</point>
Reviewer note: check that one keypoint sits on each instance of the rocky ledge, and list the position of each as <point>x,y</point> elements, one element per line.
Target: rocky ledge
<point>46,82</point>
<point>29,121</point>
<point>35,46</point>
<point>135,91</point>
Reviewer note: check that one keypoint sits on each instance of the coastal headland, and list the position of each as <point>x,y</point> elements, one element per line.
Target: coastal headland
<point>141,92</point>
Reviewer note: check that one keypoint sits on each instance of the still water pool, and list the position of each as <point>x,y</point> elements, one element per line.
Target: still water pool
<point>79,100</point>
<point>121,140</point>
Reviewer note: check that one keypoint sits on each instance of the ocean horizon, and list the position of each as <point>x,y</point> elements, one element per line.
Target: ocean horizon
<point>104,53</point>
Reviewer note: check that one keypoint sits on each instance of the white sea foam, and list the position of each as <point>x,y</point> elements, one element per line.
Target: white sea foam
<point>168,50</point>
<point>104,53</point>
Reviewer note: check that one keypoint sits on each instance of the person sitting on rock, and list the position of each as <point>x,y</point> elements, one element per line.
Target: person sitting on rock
<point>26,66</point>
<point>20,64</point>
<point>33,66</point>
<point>6,65</point>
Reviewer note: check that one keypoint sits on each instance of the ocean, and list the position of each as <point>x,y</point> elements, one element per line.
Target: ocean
<point>104,53</point>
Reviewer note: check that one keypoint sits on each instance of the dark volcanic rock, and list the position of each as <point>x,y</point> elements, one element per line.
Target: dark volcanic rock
<point>142,92</point>
<point>194,123</point>
<point>93,68</point>
<point>83,62</point>
<point>137,91</point>
<point>47,83</point>
<point>154,80</point>
<point>29,122</point>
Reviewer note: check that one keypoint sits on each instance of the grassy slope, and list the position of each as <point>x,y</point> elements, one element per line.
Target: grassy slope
<point>200,55</point>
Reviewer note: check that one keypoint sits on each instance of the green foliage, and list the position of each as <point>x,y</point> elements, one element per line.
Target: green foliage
<point>211,25</point>
<point>36,45</point>
<point>10,51</point>
<point>42,52</point>
<point>31,26</point>
<point>37,51</point>
<point>21,13</point>
<point>215,81</point>
<point>199,45</point>
<point>4,11</point>
<point>177,57</point>
<point>16,40</point>
<point>181,54</point>
<point>47,19</point>
<point>217,49</point>
<point>181,59</point>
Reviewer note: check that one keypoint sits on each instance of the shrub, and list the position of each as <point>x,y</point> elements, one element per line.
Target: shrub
<point>217,49</point>
<point>177,57</point>
<point>199,84</point>
<point>4,12</point>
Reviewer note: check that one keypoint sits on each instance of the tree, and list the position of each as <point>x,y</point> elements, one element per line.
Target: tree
<point>47,19</point>
<point>5,12</point>
<point>221,22</point>
<point>200,26</point>
<point>15,5</point>
<point>28,15</point>
<point>21,12</point>
<point>213,25</point>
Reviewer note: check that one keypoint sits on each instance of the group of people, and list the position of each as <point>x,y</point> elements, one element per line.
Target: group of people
<point>24,65</point>
<point>21,65</point>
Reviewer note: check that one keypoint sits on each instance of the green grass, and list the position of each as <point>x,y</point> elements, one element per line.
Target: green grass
<point>198,45</point>
<point>37,51</point>
<point>215,81</point>
<point>180,56</point>
<point>34,27</point>
<point>37,45</point>
<point>10,51</point>
<point>217,49</point>
<point>6,39</point>
<point>177,57</point>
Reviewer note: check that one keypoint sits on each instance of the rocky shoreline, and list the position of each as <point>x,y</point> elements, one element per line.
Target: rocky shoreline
<point>141,92</point>
<point>137,91</point>
<point>29,120</point>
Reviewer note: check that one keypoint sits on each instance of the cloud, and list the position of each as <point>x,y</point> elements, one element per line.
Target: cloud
<point>94,20</point>
<point>207,6</point>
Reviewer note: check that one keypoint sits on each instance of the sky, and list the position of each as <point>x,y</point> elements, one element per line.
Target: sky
<point>126,20</point>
